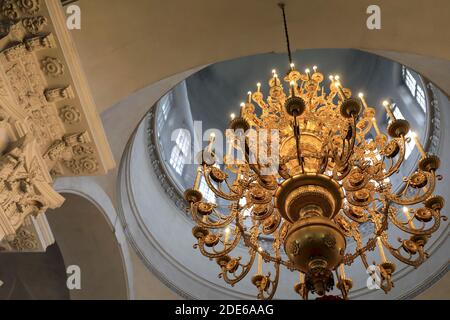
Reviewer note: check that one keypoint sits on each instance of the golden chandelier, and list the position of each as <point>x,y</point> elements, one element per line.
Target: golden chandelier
<point>331,179</point>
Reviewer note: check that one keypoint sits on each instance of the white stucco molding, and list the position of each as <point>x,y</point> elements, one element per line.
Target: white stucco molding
<point>80,84</point>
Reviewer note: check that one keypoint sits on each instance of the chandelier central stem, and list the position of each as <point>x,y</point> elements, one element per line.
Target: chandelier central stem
<point>297,143</point>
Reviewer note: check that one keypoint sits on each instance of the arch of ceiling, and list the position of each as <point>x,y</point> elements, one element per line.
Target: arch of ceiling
<point>161,236</point>
<point>89,235</point>
<point>150,45</point>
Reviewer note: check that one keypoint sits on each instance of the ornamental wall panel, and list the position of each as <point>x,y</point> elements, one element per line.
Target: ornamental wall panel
<point>49,126</point>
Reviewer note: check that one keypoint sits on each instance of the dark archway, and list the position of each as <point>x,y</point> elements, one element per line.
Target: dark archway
<point>87,240</point>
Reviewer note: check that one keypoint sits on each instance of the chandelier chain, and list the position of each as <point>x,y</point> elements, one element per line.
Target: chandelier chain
<point>286,31</point>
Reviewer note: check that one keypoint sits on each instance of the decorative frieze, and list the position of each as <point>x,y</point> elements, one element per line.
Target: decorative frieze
<point>15,52</point>
<point>43,99</point>
<point>82,165</point>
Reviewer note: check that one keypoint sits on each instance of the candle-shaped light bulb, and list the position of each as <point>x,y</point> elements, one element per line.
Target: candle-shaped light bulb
<point>315,69</point>
<point>363,100</point>
<point>389,112</point>
<point>338,85</point>
<point>258,86</point>
<point>292,65</point>
<point>275,76</point>
<point>259,261</point>
<point>381,249</point>
<point>301,277</point>
<point>307,72</point>
<point>331,77</point>
<point>408,217</point>
<point>198,175</point>
<point>232,116</point>
<point>227,234</point>
<point>242,108</point>
<point>249,97</point>
<point>292,84</point>
<point>342,271</point>
<point>422,152</point>
<point>375,126</point>
<point>212,138</point>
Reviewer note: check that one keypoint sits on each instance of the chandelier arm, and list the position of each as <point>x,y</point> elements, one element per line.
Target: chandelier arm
<point>353,217</point>
<point>356,235</point>
<point>220,193</point>
<point>251,165</point>
<point>272,284</point>
<point>436,216</point>
<point>216,254</point>
<point>421,254</point>
<point>364,260</point>
<point>428,191</point>
<point>245,270</point>
<point>339,176</point>
<point>347,152</point>
<point>370,244</point>
<point>266,257</point>
<point>342,286</point>
<point>365,126</point>
<point>212,225</point>
<point>401,157</point>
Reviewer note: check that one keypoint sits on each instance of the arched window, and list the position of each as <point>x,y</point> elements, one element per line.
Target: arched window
<point>165,104</point>
<point>207,193</point>
<point>180,151</point>
<point>414,88</point>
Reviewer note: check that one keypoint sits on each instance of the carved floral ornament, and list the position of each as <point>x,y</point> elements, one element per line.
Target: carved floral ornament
<point>34,25</point>
<point>52,67</point>
<point>69,114</point>
<point>24,240</point>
